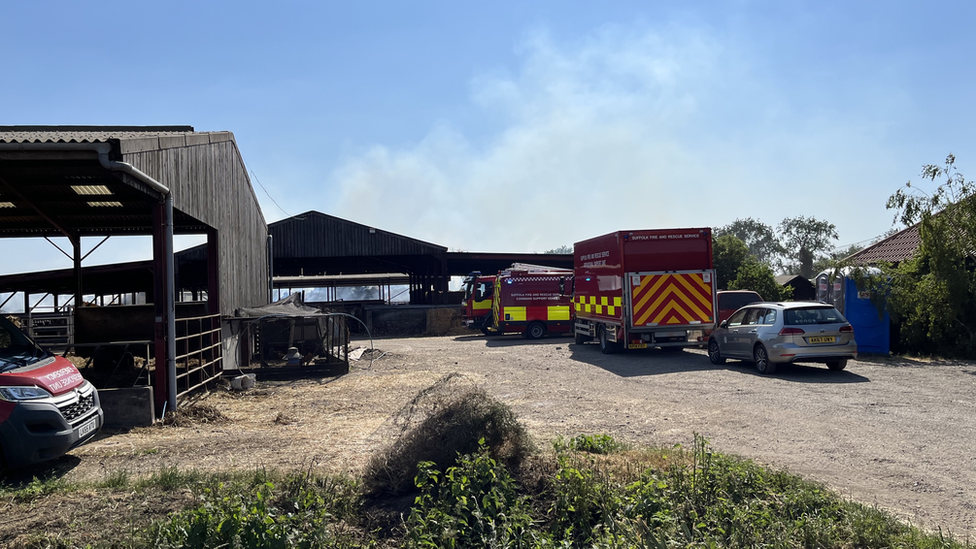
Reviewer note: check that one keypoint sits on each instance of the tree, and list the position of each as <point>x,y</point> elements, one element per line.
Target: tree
<point>835,259</point>
<point>564,249</point>
<point>933,295</point>
<point>759,277</point>
<point>805,240</point>
<point>728,254</point>
<point>758,237</point>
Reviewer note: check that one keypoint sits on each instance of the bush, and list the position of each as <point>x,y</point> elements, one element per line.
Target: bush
<point>472,504</point>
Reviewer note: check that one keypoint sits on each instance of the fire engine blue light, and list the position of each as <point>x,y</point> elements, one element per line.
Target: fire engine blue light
<point>509,281</point>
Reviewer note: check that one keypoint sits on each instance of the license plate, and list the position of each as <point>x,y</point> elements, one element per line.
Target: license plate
<point>637,345</point>
<point>828,339</point>
<point>88,428</point>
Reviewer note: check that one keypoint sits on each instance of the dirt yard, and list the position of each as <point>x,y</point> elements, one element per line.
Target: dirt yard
<point>898,434</point>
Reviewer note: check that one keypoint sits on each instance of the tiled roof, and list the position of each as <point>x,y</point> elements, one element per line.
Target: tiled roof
<point>894,249</point>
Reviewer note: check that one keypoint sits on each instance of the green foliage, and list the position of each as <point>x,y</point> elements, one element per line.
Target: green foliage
<point>303,514</point>
<point>758,277</point>
<point>35,489</point>
<point>595,444</point>
<point>564,249</point>
<point>757,236</point>
<point>728,254</point>
<point>585,503</point>
<point>474,503</point>
<point>804,240</point>
<point>933,295</point>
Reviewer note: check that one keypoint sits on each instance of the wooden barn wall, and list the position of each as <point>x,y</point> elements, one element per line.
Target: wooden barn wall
<point>325,236</point>
<point>209,182</point>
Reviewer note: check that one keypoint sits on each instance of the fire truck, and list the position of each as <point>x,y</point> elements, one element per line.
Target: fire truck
<point>531,300</point>
<point>478,290</point>
<point>644,288</point>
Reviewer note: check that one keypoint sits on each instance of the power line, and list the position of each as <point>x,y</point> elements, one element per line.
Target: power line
<point>255,177</point>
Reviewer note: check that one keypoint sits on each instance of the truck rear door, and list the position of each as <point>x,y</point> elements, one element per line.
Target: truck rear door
<point>680,298</point>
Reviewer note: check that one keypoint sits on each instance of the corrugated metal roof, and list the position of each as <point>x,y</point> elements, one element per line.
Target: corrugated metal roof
<point>140,138</point>
<point>894,249</point>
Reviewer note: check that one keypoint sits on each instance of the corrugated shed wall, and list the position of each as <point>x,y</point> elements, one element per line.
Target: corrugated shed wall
<point>209,182</point>
<point>314,234</point>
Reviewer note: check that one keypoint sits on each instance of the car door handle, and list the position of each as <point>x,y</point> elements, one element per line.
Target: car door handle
<point>753,331</point>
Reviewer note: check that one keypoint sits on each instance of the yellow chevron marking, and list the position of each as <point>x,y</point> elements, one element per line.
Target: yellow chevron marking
<point>659,281</point>
<point>672,306</point>
<point>671,295</point>
<point>694,290</point>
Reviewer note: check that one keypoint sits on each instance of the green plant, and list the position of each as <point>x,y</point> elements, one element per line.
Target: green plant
<point>595,444</point>
<point>118,479</point>
<point>301,515</point>
<point>471,504</point>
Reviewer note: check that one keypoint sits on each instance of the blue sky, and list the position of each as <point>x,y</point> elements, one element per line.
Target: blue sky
<point>521,126</point>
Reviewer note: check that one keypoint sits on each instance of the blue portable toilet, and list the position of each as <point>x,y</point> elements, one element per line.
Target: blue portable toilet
<point>871,328</point>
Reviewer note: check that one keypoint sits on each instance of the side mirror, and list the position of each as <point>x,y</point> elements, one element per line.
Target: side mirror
<point>724,324</point>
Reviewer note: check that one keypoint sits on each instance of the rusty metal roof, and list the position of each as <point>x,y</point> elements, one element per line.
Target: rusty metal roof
<point>894,249</point>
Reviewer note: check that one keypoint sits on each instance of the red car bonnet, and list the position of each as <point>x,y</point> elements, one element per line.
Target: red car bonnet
<point>56,378</point>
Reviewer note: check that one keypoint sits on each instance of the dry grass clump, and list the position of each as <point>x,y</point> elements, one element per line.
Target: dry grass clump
<point>195,414</point>
<point>444,421</point>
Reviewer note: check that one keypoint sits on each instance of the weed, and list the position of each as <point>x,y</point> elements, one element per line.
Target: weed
<point>594,444</point>
<point>118,479</point>
<point>471,504</point>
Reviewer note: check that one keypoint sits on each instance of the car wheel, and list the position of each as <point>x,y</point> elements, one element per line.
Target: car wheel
<point>761,358</point>
<point>606,347</point>
<point>536,330</point>
<point>837,365</point>
<point>714,354</point>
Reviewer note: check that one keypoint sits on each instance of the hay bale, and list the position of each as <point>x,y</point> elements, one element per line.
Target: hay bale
<point>442,422</point>
<point>442,321</point>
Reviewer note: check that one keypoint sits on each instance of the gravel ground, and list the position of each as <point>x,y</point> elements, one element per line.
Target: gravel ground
<point>899,434</point>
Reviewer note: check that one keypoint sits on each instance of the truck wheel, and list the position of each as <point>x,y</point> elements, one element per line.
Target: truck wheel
<point>489,320</point>
<point>761,358</point>
<point>580,338</point>
<point>837,365</point>
<point>536,330</point>
<point>714,354</point>
<point>607,347</point>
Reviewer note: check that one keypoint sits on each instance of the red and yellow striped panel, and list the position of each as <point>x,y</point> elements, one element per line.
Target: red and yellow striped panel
<point>663,299</point>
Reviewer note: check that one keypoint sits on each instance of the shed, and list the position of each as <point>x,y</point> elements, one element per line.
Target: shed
<point>803,289</point>
<point>105,181</point>
<point>316,244</point>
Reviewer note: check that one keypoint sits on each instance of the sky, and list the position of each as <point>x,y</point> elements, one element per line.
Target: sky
<point>518,126</point>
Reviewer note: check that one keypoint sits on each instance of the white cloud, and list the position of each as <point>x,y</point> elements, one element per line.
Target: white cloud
<point>626,129</point>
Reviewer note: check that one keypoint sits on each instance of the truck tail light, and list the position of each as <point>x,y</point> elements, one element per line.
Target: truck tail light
<point>790,331</point>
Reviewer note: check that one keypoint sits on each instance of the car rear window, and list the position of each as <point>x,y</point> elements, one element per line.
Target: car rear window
<point>737,300</point>
<point>812,315</point>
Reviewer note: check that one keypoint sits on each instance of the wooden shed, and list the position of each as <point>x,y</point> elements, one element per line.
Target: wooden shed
<point>99,181</point>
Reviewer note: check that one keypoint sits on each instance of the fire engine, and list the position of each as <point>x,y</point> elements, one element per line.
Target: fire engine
<point>644,288</point>
<point>531,300</point>
<point>476,306</point>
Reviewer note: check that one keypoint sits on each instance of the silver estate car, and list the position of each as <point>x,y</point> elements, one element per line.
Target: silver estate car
<point>774,333</point>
